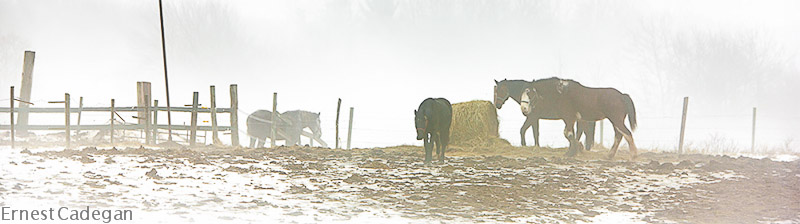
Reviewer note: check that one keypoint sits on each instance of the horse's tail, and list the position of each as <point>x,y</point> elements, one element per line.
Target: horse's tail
<point>631,110</point>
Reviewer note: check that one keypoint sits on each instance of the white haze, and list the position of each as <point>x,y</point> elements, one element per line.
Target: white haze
<point>385,57</point>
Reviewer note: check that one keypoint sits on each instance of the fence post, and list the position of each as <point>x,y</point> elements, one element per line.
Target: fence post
<point>753,138</point>
<point>155,122</point>
<point>25,92</point>
<point>350,128</point>
<point>193,136</point>
<point>11,111</point>
<point>683,123</point>
<point>234,116</point>
<point>338,106</point>
<point>214,135</point>
<point>601,132</point>
<point>66,119</point>
<point>111,133</point>
<point>273,119</point>
<point>146,129</point>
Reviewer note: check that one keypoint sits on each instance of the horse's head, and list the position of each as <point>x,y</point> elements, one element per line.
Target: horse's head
<point>421,123</point>
<point>528,101</point>
<point>500,93</point>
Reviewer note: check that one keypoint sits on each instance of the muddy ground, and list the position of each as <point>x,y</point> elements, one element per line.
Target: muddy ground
<point>504,184</point>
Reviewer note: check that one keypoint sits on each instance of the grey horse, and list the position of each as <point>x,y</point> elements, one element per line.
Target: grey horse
<point>290,125</point>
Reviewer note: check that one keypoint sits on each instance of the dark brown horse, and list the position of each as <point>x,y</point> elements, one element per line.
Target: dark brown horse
<point>547,109</point>
<point>432,119</point>
<point>578,102</point>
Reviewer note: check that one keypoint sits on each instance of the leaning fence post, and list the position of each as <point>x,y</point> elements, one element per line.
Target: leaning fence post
<point>111,133</point>
<point>11,112</point>
<point>274,119</point>
<point>155,122</point>
<point>80,110</point>
<point>338,106</point>
<point>214,134</point>
<point>753,137</point>
<point>234,115</point>
<point>350,128</point>
<point>193,136</point>
<point>25,92</point>
<point>683,123</point>
<point>66,118</point>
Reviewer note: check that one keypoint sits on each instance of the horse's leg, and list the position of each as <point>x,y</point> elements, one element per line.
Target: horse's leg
<point>252,142</point>
<point>620,126</point>
<point>617,139</point>
<point>589,131</point>
<point>439,152</point>
<point>535,129</point>
<point>580,127</point>
<point>261,140</point>
<point>524,128</point>
<point>445,140</point>
<point>569,133</point>
<point>426,141</point>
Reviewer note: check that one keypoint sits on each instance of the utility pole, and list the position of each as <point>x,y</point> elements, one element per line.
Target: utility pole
<point>166,77</point>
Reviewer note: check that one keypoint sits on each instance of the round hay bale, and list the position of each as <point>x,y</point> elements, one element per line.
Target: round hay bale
<point>475,124</point>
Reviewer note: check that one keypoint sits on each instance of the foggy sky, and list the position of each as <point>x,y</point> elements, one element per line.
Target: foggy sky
<point>385,57</point>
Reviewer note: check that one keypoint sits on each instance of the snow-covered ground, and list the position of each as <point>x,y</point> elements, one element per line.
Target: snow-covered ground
<point>316,186</point>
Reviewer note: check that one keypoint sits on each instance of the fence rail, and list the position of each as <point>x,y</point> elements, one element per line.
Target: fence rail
<point>108,109</point>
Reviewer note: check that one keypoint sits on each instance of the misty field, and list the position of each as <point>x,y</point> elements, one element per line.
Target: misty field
<point>502,184</point>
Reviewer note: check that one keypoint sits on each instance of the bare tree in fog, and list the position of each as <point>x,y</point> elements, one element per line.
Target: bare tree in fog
<point>722,67</point>
<point>205,31</point>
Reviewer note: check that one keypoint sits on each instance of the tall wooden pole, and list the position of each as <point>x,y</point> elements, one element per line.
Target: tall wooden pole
<point>338,107</point>
<point>66,119</point>
<point>753,137</point>
<point>13,141</point>
<point>350,128</point>
<point>234,116</point>
<point>166,77</point>
<point>683,123</point>
<point>274,119</point>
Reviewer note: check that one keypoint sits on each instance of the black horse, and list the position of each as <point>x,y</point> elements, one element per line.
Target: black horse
<point>545,110</point>
<point>432,120</point>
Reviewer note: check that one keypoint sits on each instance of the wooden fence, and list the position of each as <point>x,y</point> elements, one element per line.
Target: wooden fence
<point>147,124</point>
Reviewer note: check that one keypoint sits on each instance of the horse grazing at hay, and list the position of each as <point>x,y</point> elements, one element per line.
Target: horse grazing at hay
<point>290,125</point>
<point>545,110</point>
<point>578,102</point>
<point>432,120</point>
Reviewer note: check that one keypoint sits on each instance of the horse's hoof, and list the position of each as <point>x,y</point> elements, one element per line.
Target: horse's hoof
<point>610,157</point>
